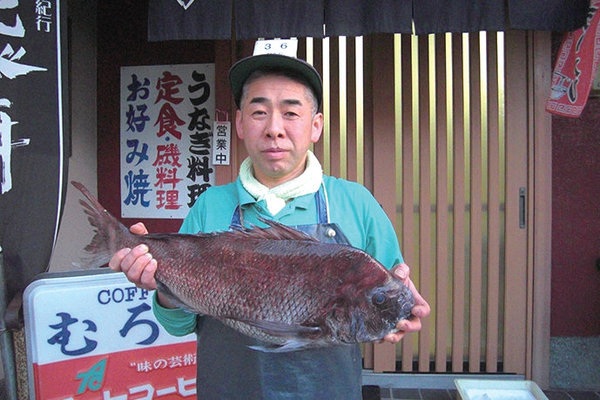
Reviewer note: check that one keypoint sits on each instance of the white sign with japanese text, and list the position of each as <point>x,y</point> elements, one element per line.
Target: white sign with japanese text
<point>166,138</point>
<point>97,332</point>
<point>222,143</point>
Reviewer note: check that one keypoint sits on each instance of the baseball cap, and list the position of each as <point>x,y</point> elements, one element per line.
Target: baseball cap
<point>241,70</point>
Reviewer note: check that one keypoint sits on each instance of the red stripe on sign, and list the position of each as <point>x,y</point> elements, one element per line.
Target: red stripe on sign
<point>159,372</point>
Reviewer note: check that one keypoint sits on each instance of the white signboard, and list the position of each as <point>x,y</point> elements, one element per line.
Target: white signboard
<point>167,114</point>
<point>92,337</point>
<point>222,143</point>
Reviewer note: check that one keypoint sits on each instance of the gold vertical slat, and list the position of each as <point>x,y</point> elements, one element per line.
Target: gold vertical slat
<point>306,49</point>
<point>408,242</point>
<point>404,350</point>
<point>483,191</point>
<point>326,138</point>
<point>493,225</point>
<point>343,109</point>
<point>359,109</point>
<point>475,261</point>
<point>398,131</point>
<point>426,107</point>
<point>460,98</point>
<point>399,113</point>
<point>443,124</point>
<point>501,74</point>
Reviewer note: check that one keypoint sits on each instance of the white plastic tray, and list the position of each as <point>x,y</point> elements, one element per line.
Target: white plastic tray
<point>487,389</point>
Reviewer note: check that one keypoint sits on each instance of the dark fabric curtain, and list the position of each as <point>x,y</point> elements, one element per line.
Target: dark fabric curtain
<point>278,18</point>
<point>355,17</point>
<point>189,19</point>
<point>437,16</point>
<point>213,19</point>
<point>548,15</point>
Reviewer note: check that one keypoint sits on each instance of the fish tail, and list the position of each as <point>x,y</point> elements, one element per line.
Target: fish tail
<point>109,232</point>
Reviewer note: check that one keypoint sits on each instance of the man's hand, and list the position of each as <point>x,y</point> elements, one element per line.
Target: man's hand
<point>137,264</point>
<point>420,310</point>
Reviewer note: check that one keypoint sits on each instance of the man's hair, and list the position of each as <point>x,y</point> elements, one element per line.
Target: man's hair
<point>262,72</point>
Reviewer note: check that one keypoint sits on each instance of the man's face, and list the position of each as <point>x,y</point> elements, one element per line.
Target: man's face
<point>277,125</point>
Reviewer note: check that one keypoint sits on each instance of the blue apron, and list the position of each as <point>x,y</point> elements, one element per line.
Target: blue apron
<point>229,369</point>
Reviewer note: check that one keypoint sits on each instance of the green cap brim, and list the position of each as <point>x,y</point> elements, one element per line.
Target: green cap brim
<point>241,70</point>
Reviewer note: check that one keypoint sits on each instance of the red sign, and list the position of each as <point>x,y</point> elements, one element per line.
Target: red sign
<point>576,67</point>
<point>167,372</point>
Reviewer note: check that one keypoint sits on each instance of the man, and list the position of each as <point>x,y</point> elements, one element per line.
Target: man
<point>278,118</point>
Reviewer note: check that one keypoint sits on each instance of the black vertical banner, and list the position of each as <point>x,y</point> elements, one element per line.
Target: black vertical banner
<point>32,136</point>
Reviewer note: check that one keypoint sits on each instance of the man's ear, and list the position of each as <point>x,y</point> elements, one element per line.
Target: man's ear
<point>238,124</point>
<point>317,127</point>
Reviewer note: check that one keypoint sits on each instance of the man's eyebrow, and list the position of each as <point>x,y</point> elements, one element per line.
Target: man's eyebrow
<point>263,100</point>
<point>292,102</point>
<point>259,100</point>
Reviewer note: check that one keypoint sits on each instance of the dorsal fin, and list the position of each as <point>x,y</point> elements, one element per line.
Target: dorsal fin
<point>274,231</point>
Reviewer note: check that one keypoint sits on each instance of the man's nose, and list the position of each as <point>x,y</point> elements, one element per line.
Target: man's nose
<point>274,128</point>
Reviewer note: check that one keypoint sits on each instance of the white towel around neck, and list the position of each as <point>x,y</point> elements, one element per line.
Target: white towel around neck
<point>277,197</point>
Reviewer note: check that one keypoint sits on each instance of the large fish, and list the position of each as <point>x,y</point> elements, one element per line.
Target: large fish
<point>275,284</point>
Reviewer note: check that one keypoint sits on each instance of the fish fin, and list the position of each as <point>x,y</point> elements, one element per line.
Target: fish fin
<point>283,329</point>
<point>91,260</point>
<point>296,345</point>
<point>107,230</point>
<point>274,231</point>
<point>284,232</point>
<point>289,345</point>
<point>173,298</point>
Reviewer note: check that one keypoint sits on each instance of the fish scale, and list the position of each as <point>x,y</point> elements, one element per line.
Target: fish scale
<point>275,284</point>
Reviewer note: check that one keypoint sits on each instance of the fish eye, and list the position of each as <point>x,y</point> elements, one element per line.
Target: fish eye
<point>378,298</point>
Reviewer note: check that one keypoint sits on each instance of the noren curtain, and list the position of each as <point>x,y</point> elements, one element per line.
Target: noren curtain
<point>249,19</point>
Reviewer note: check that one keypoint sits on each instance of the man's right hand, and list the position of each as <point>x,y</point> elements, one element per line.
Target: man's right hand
<point>137,264</point>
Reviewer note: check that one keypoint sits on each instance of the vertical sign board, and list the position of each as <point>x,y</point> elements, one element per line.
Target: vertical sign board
<point>31,135</point>
<point>94,337</point>
<point>166,138</point>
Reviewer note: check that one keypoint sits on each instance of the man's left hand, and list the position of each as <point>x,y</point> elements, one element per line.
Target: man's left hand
<point>420,310</point>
